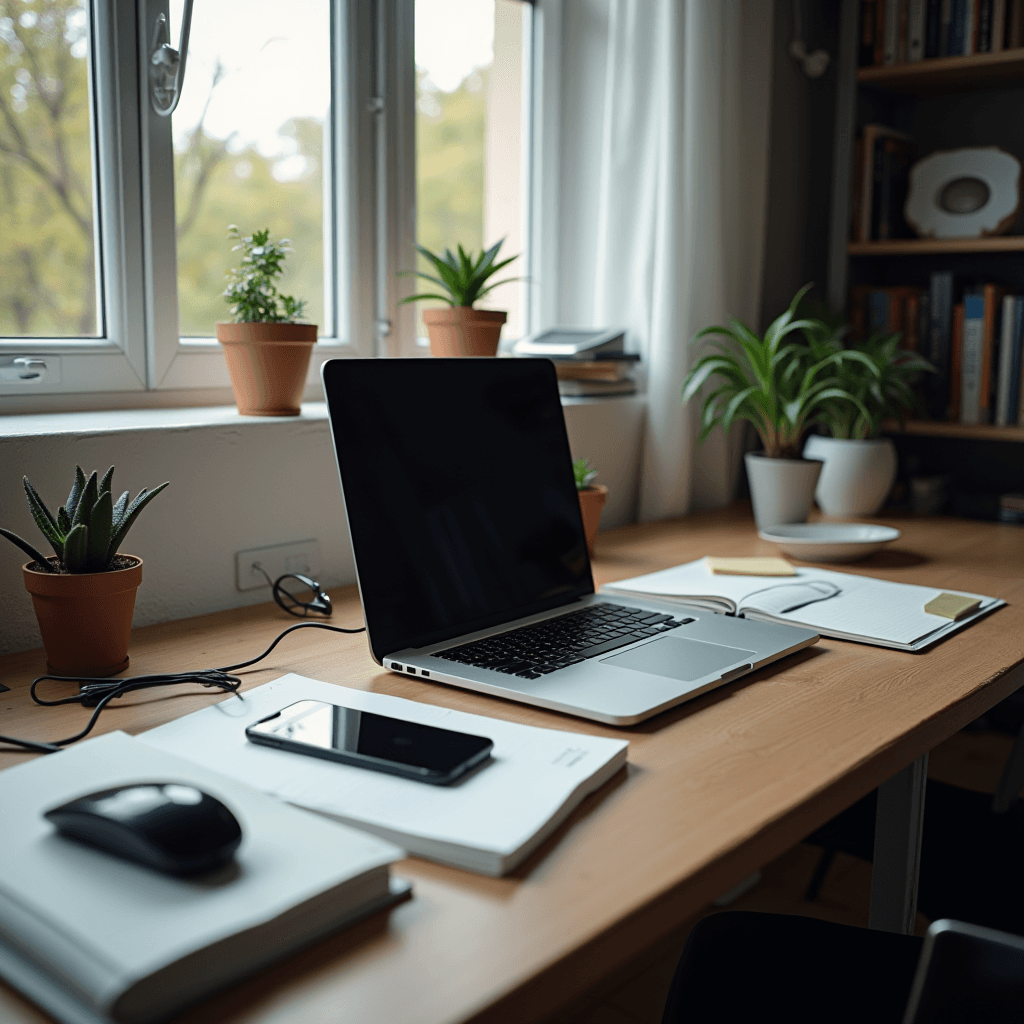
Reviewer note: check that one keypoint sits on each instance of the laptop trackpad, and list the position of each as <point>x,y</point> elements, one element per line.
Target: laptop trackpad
<point>679,658</point>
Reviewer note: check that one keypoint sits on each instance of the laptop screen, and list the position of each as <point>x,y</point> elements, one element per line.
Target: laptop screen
<point>459,491</point>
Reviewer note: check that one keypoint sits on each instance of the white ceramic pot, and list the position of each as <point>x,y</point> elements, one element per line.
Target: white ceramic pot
<point>857,476</point>
<point>781,490</point>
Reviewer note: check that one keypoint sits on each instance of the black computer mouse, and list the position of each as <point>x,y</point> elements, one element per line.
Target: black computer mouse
<point>169,826</point>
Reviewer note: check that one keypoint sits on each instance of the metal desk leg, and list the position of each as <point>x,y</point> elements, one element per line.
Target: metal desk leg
<point>899,823</point>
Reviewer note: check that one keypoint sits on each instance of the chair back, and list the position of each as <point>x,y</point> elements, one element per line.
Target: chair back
<point>967,973</point>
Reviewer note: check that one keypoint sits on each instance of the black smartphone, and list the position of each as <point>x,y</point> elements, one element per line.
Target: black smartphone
<point>422,752</point>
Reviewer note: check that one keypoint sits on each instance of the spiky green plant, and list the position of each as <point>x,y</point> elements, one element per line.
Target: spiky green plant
<point>883,381</point>
<point>461,277</point>
<point>88,528</point>
<point>777,382</point>
<point>583,473</point>
<point>251,291</point>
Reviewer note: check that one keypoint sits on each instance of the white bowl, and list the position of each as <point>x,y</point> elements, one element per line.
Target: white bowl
<point>829,542</point>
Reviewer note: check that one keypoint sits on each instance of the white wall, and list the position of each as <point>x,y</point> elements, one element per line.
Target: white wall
<point>236,483</point>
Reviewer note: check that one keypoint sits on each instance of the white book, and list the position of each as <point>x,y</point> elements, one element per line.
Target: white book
<point>488,822</point>
<point>972,360</point>
<point>916,20</point>
<point>836,604</point>
<point>94,938</point>
<point>1004,379</point>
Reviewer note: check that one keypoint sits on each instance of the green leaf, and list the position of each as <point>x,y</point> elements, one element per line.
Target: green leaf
<point>76,492</point>
<point>41,515</point>
<point>76,549</point>
<point>63,521</point>
<point>106,481</point>
<point>32,553</point>
<point>122,504</point>
<point>423,296</point>
<point>143,498</point>
<point>87,500</point>
<point>101,529</point>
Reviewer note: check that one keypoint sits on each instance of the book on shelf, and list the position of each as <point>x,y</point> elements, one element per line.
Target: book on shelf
<point>903,31</point>
<point>605,370</point>
<point>881,178</point>
<point>975,344</point>
<point>94,939</point>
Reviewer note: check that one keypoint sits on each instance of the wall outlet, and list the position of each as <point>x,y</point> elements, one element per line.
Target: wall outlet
<point>301,556</point>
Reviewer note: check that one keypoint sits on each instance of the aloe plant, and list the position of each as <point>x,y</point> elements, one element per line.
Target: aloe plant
<point>462,278</point>
<point>88,528</point>
<point>583,473</point>
<point>778,382</point>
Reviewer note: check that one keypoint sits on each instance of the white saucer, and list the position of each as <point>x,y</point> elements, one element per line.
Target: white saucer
<point>829,542</point>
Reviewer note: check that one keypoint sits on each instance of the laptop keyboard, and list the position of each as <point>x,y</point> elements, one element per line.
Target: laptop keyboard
<point>533,651</point>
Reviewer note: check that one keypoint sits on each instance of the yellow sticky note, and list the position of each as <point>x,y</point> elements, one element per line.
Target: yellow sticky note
<point>750,566</point>
<point>952,606</point>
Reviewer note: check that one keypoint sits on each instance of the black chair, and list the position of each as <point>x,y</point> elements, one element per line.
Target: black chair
<point>741,967</point>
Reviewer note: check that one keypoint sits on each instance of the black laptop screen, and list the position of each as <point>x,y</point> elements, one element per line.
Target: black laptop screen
<point>459,491</point>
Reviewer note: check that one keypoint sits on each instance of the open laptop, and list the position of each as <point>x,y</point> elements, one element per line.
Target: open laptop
<point>470,553</point>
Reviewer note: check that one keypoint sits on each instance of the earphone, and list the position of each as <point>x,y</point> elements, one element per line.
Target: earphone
<point>814,64</point>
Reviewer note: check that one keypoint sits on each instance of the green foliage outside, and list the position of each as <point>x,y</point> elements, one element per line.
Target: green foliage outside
<point>47,259</point>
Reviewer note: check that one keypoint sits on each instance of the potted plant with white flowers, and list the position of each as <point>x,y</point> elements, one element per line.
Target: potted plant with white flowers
<point>859,464</point>
<point>779,385</point>
<point>266,346</point>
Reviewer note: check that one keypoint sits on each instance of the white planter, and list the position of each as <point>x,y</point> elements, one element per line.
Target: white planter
<point>857,476</point>
<point>781,490</point>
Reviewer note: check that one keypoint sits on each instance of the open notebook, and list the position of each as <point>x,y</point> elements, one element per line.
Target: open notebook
<point>835,604</point>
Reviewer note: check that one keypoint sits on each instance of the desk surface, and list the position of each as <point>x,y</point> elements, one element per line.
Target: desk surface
<point>713,789</point>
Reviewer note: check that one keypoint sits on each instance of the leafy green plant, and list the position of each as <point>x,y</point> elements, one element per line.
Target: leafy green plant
<point>882,381</point>
<point>88,528</point>
<point>462,278</point>
<point>583,473</point>
<point>777,382</point>
<point>251,291</point>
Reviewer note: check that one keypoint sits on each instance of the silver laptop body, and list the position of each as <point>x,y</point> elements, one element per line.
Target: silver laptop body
<point>442,564</point>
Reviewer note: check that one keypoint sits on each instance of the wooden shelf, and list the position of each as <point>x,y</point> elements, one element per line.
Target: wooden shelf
<point>948,74</point>
<point>926,246</point>
<point>985,432</point>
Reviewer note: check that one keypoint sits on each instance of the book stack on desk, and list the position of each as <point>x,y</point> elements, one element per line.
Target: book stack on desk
<point>93,938</point>
<point>588,363</point>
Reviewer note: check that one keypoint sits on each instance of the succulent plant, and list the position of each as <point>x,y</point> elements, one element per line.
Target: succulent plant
<point>461,277</point>
<point>583,473</point>
<point>88,528</point>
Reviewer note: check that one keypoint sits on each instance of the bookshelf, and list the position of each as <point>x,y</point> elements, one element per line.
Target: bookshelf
<point>943,104</point>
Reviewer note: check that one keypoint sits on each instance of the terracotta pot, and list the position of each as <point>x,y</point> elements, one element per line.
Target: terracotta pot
<point>462,331</point>
<point>268,364</point>
<point>592,500</point>
<point>85,619</point>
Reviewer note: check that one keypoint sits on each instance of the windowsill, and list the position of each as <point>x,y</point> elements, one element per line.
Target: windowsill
<point>112,420</point>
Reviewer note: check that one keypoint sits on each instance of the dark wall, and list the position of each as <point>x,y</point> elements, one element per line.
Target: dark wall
<point>800,158</point>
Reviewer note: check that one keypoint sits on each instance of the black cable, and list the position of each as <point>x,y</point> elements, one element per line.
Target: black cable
<point>99,693</point>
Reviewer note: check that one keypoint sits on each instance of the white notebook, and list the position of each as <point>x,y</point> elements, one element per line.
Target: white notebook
<point>836,604</point>
<point>487,822</point>
<point>94,938</point>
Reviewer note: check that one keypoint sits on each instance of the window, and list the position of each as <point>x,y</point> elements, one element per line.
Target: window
<point>300,116</point>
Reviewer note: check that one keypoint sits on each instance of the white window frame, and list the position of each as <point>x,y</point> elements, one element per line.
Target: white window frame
<point>141,360</point>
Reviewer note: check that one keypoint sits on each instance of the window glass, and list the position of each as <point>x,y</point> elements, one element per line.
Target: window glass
<point>469,136</point>
<point>48,214</point>
<point>249,144</point>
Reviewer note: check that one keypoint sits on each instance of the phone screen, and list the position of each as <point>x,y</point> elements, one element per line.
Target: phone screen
<point>345,734</point>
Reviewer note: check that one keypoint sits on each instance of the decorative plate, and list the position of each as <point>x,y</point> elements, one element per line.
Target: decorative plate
<point>964,193</point>
<point>829,542</point>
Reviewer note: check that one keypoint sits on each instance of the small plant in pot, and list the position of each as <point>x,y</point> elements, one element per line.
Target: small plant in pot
<point>266,348</point>
<point>592,498</point>
<point>459,329</point>
<point>777,384</point>
<point>84,594</point>
<point>859,464</point>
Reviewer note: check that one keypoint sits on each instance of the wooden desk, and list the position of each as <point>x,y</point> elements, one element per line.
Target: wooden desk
<point>713,790</point>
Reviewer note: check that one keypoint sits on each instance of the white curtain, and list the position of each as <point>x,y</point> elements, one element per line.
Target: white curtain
<point>663,180</point>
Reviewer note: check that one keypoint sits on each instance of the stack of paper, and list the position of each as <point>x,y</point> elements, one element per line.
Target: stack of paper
<point>488,822</point>
<point>836,604</point>
<point>91,937</point>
